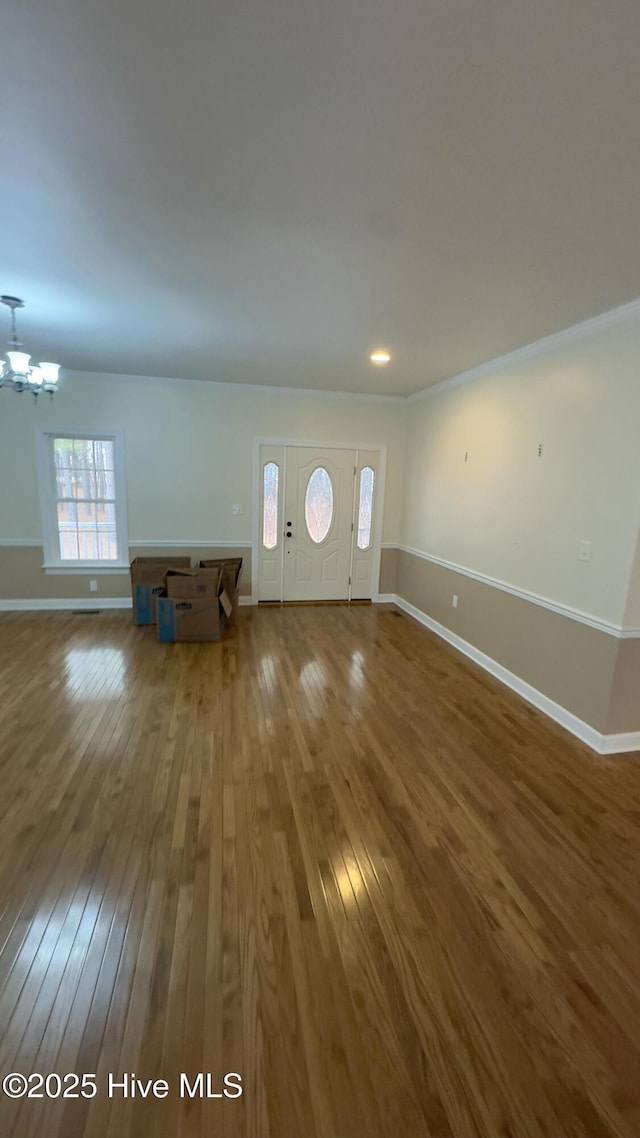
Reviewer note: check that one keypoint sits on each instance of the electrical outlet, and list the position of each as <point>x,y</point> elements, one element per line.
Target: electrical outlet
<point>93,586</point>
<point>584,551</point>
<point>454,600</point>
<point>237,510</point>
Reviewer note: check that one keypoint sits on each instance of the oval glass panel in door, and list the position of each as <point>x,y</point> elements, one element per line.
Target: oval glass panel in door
<point>365,510</point>
<point>318,504</point>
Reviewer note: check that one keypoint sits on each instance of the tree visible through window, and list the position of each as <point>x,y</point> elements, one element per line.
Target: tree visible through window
<point>86,499</point>
<point>82,493</point>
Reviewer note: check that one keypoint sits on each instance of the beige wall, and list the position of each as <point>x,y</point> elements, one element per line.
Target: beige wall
<point>389,570</point>
<point>189,453</point>
<point>506,513</point>
<point>624,704</point>
<point>569,662</point>
<point>23,578</point>
<point>513,515</point>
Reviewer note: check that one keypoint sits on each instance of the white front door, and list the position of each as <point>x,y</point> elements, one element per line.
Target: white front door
<point>319,516</point>
<point>318,509</point>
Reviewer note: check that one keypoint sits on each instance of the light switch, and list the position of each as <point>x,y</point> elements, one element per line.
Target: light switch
<point>584,551</point>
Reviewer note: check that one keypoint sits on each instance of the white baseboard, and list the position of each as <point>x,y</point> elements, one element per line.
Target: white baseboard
<point>602,744</point>
<point>40,604</point>
<point>619,744</point>
<point>48,604</point>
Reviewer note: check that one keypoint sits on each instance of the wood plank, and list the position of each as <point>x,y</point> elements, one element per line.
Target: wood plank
<point>327,853</point>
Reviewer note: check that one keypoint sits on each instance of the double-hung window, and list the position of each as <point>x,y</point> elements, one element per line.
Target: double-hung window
<point>82,496</point>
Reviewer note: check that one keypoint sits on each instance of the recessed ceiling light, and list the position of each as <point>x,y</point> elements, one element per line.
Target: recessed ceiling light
<point>380,358</point>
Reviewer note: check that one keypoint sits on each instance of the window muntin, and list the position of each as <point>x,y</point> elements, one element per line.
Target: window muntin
<point>270,481</point>
<point>365,507</point>
<point>83,502</point>
<point>318,505</point>
<point>85,499</point>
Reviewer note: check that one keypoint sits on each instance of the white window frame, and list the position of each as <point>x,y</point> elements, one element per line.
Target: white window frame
<point>48,498</point>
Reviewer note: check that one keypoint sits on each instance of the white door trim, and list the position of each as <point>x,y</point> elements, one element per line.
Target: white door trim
<point>380,448</point>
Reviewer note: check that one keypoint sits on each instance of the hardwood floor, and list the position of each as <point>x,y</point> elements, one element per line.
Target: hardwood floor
<point>328,854</point>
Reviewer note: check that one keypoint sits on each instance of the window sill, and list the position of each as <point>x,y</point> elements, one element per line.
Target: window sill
<point>85,568</point>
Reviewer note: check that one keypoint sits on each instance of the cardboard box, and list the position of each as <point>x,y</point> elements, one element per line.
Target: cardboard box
<point>148,583</point>
<point>194,582</point>
<point>231,568</point>
<point>191,619</point>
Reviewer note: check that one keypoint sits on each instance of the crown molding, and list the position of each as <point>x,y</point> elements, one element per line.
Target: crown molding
<point>550,343</point>
<point>556,340</point>
<point>235,388</point>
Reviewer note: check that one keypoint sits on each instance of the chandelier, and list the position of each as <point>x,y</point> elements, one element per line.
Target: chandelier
<point>16,371</point>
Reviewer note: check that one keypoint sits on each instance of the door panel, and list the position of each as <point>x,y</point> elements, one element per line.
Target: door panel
<point>329,569</point>
<point>318,570</point>
<point>270,571</point>
<point>303,566</point>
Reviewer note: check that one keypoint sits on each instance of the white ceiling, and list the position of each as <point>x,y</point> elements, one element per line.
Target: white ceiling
<point>263,191</point>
